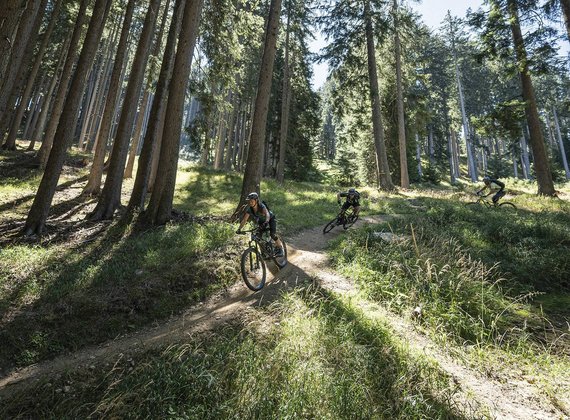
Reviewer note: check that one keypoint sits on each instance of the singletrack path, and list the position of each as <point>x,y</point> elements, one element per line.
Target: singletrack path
<point>476,397</point>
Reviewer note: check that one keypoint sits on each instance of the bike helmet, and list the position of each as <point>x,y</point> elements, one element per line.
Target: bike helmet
<point>486,179</point>
<point>352,191</point>
<point>252,196</point>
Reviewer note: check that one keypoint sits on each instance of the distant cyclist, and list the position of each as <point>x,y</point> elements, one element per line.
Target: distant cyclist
<point>494,185</point>
<point>352,199</point>
<point>264,218</point>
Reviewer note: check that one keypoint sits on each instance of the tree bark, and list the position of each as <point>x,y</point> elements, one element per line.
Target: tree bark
<point>19,61</point>
<point>561,144</point>
<point>62,89</point>
<point>541,165</point>
<point>160,205</point>
<point>93,186</point>
<point>383,171</point>
<point>151,141</point>
<point>25,97</point>
<point>37,216</point>
<point>285,104</point>
<point>404,176</point>
<point>110,198</point>
<point>254,165</point>
<point>10,13</point>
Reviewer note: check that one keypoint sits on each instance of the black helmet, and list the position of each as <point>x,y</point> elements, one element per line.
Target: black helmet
<point>252,196</point>
<point>352,191</point>
<point>486,179</point>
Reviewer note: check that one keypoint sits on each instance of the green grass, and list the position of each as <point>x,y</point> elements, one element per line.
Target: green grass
<point>311,355</point>
<point>55,299</point>
<point>487,279</point>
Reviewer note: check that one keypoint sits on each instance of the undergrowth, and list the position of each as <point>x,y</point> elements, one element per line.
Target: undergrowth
<point>309,355</point>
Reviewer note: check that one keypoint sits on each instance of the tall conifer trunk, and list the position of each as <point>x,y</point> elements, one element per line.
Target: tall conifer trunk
<point>160,205</point>
<point>382,167</point>
<point>541,165</point>
<point>256,148</point>
<point>37,216</point>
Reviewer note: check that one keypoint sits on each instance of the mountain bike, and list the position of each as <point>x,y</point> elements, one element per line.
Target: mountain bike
<point>345,218</point>
<point>261,248</point>
<point>481,201</point>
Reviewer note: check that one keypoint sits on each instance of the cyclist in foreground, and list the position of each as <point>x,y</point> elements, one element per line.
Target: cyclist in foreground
<point>264,218</point>
<point>498,188</point>
<point>352,199</point>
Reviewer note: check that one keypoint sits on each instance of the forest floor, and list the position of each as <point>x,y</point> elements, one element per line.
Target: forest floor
<point>476,395</point>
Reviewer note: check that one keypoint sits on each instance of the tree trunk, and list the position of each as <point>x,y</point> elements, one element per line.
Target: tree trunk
<point>404,177</point>
<point>451,160</point>
<point>110,198</point>
<point>560,144</point>
<point>137,135</point>
<point>383,170</point>
<point>254,165</point>
<point>419,156</point>
<point>62,89</point>
<point>93,186</point>
<point>25,97</point>
<point>24,46</point>
<point>525,161</point>
<point>160,205</point>
<point>37,216</point>
<point>10,12</point>
<point>285,104</point>
<point>48,102</point>
<point>541,165</point>
<point>151,143</point>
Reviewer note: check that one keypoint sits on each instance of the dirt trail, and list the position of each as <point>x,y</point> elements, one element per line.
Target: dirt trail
<point>476,396</point>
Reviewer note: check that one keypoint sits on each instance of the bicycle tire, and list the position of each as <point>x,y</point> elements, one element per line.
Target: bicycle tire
<point>350,220</point>
<point>330,225</point>
<point>281,261</point>
<point>508,205</point>
<point>253,270</point>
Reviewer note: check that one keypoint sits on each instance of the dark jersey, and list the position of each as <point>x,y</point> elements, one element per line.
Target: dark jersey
<point>351,200</point>
<point>259,215</point>
<point>498,183</point>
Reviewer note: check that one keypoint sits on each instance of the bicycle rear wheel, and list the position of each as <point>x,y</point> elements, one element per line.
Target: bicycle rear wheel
<point>508,205</point>
<point>281,261</point>
<point>253,269</point>
<point>330,225</point>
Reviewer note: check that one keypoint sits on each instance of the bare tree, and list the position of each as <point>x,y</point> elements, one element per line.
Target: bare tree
<point>93,186</point>
<point>383,169</point>
<point>254,165</point>
<point>111,194</point>
<point>38,214</point>
<point>160,206</point>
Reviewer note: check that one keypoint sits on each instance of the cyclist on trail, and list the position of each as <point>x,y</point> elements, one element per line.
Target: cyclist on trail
<point>352,199</point>
<point>264,218</point>
<point>498,186</point>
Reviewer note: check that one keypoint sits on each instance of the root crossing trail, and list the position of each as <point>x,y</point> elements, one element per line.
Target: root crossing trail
<point>477,396</point>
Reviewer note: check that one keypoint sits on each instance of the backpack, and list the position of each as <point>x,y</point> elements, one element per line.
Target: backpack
<point>266,205</point>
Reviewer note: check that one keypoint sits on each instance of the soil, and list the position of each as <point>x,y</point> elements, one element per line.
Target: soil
<point>494,396</point>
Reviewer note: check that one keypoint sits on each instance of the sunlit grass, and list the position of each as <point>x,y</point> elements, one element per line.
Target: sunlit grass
<point>310,355</point>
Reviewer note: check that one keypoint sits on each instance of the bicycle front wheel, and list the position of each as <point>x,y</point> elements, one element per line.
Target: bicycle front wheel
<point>281,261</point>
<point>330,225</point>
<point>508,205</point>
<point>253,269</point>
<point>350,220</point>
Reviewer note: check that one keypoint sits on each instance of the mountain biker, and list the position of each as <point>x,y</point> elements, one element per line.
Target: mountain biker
<point>352,199</point>
<point>264,218</point>
<point>489,184</point>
